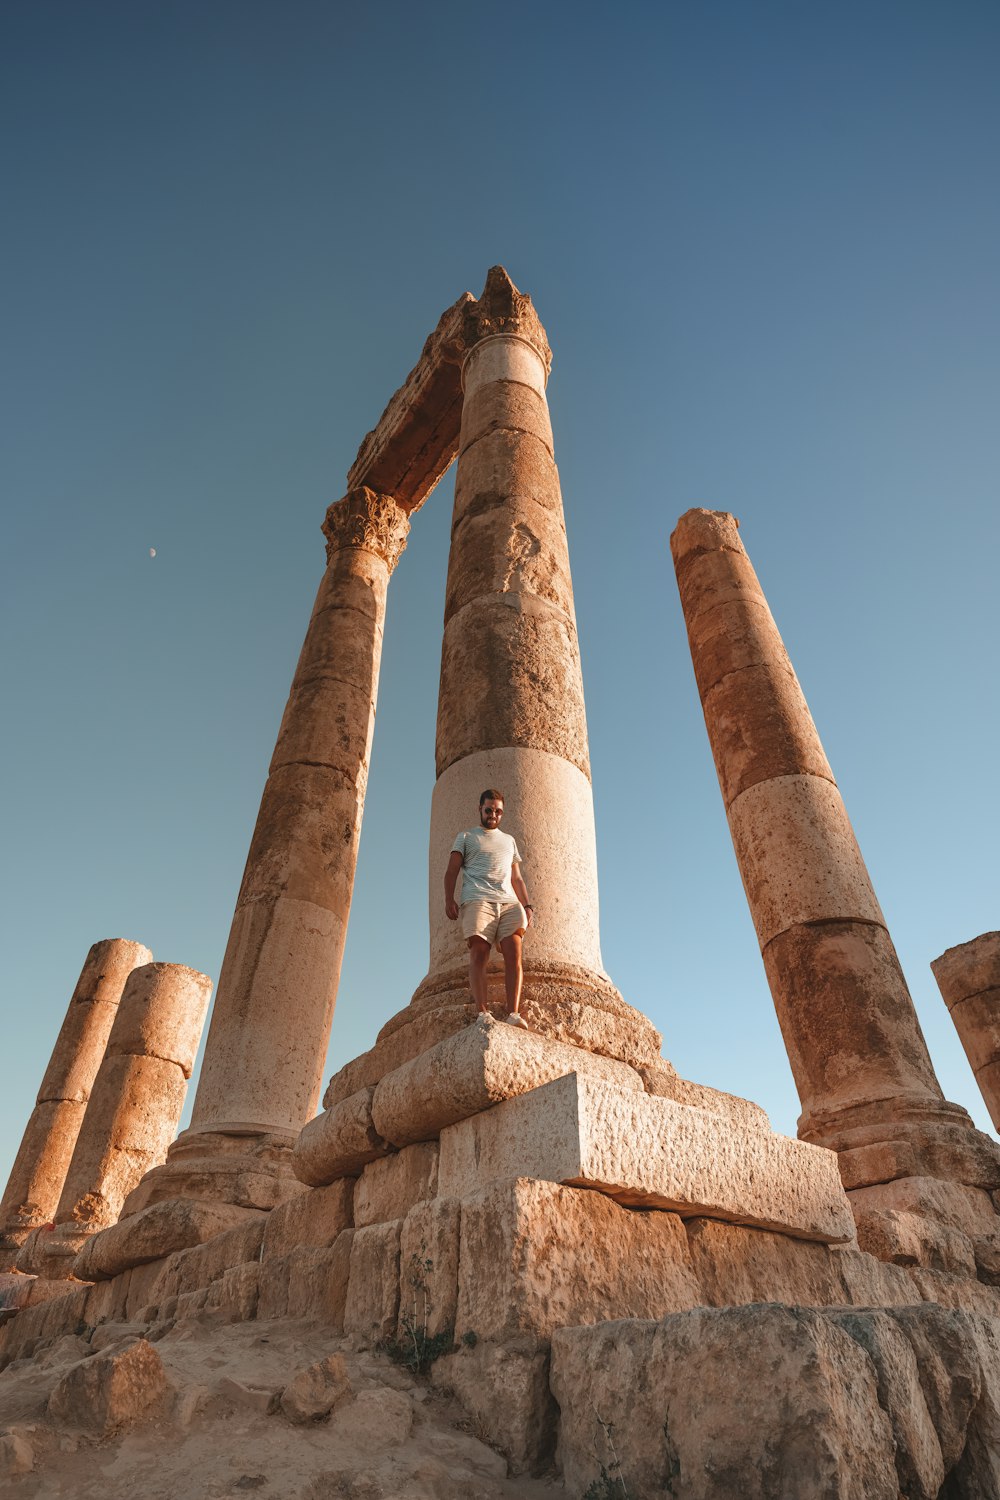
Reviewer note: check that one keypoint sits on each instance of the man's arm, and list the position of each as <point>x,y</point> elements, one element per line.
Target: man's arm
<point>521,890</point>
<point>450,877</point>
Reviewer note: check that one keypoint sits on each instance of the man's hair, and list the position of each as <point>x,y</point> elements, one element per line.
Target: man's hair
<point>492,793</point>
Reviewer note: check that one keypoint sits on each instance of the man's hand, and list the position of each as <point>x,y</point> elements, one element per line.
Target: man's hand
<point>451,909</point>
<point>451,875</point>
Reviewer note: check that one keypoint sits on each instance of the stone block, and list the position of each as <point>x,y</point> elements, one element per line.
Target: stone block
<point>235,1293</point>
<point>735,1265</point>
<point>758,1402</point>
<point>909,1239</point>
<point>17,1452</point>
<point>389,1188</point>
<point>415,1035</point>
<point>372,1309</point>
<point>535,1257</point>
<point>663,1080</point>
<point>309,1282</point>
<point>112,1391</point>
<point>160,1230</point>
<point>760,729</point>
<point>863,1166</point>
<point>428,1267</point>
<point>969,1209</point>
<point>649,1153</point>
<point>315,1217</point>
<point>482,1065</point>
<point>873,1283</point>
<point>505,1390</point>
<point>316,1391</point>
<point>188,1270</point>
<point>339,1142</point>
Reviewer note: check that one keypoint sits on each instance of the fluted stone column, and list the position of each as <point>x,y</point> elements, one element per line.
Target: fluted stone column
<point>968,977</point>
<point>511,710</point>
<point>134,1109</point>
<point>43,1157</point>
<point>262,1068</point>
<point>858,1055</point>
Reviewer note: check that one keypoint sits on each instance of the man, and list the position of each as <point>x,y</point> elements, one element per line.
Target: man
<point>495,906</point>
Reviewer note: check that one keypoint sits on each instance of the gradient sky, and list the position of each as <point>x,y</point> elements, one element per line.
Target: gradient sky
<point>764,241</point>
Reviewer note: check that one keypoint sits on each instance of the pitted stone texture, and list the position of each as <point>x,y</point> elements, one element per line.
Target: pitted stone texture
<point>416,1035</point>
<point>487,1062</point>
<point>160,1230</point>
<point>734,1265</point>
<point>112,1391</point>
<point>758,1402</point>
<point>248,1171</point>
<point>339,1142</point>
<point>841,998</point>
<point>389,1188</point>
<point>162,1013</point>
<point>968,977</point>
<point>759,731</point>
<point>649,1152</point>
<point>309,1282</point>
<point>663,1080</point>
<point>316,1391</point>
<point>32,1193</point>
<point>909,1239</point>
<point>505,1390</point>
<point>535,1257</point>
<point>798,856</point>
<point>428,1267</point>
<point>372,1309</point>
<point>966,1208</point>
<point>315,1217</point>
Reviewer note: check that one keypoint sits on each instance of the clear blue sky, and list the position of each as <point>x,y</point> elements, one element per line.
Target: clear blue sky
<point>764,240</point>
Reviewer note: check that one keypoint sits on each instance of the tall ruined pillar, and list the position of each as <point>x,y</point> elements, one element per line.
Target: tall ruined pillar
<point>859,1059</point>
<point>262,1069</point>
<point>39,1170</point>
<point>134,1109</point>
<point>969,980</point>
<point>511,710</point>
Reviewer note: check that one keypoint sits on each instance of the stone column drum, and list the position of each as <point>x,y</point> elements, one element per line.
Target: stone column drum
<point>511,710</point>
<point>134,1110</point>
<point>262,1068</point>
<point>968,977</point>
<point>858,1056</point>
<point>43,1157</point>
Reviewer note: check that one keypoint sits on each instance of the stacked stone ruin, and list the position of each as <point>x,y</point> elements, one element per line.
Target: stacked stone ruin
<point>553,1205</point>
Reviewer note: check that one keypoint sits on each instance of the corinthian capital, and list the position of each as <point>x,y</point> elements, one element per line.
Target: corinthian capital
<point>369,520</point>
<point>503,309</point>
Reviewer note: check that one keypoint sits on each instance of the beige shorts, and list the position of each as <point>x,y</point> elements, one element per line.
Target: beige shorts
<point>492,921</point>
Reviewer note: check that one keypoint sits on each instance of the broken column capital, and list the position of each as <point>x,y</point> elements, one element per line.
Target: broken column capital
<point>503,310</point>
<point>369,520</point>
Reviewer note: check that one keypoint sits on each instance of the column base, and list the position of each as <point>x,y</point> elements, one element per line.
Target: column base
<point>51,1250</point>
<point>246,1166</point>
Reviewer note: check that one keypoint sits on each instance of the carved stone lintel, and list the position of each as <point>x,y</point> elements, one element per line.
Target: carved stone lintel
<point>366,519</point>
<point>503,309</point>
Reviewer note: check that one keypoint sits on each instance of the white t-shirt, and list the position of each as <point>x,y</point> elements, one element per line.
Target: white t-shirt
<point>487,858</point>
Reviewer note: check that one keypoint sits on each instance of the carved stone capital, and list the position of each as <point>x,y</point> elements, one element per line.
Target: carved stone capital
<point>503,309</point>
<point>369,520</point>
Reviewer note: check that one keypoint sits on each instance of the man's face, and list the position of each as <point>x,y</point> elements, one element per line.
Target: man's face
<point>490,812</point>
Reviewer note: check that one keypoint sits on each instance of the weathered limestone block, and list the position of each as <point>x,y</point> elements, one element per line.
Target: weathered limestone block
<point>339,1142</point>
<point>112,1392</point>
<point>535,1257</point>
<point>316,1391</point>
<point>968,977</point>
<point>415,1035</point>
<point>189,1270</point>
<point>663,1080</point>
<point>909,1239</point>
<point>735,1265</point>
<point>487,1062</point>
<point>308,1282</point>
<point>505,1389</point>
<point>158,1231</point>
<point>650,1153</point>
<point>372,1310</point>
<point>751,1401</point>
<point>39,1171</point>
<point>969,1209</point>
<point>313,1218</point>
<point>428,1267</point>
<point>389,1188</point>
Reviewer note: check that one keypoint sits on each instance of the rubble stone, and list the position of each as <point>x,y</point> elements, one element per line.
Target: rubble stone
<point>112,1391</point>
<point>316,1391</point>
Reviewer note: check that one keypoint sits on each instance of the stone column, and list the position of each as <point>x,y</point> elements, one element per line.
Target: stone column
<point>262,1069</point>
<point>43,1157</point>
<point>859,1059</point>
<point>134,1109</point>
<point>969,980</point>
<point>510,710</point>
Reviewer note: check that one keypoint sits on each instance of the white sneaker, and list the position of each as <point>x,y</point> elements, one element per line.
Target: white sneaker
<point>515,1020</point>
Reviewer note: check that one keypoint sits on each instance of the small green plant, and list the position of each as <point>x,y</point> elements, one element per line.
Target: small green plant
<point>415,1348</point>
<point>611,1485</point>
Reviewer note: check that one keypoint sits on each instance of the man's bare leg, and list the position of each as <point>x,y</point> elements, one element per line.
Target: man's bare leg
<point>513,974</point>
<point>479,957</point>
